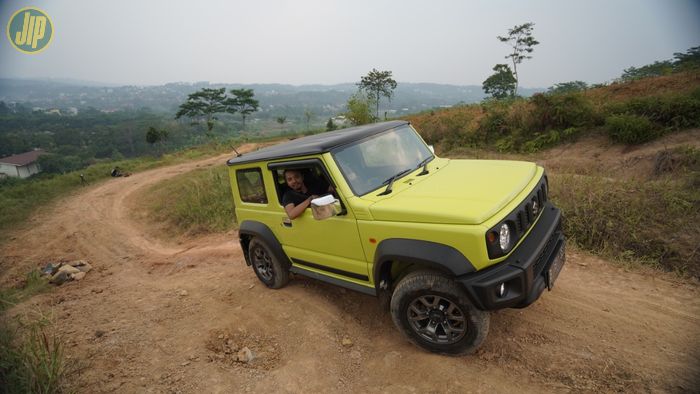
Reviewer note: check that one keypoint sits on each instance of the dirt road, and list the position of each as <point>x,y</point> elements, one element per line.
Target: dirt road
<point>166,316</point>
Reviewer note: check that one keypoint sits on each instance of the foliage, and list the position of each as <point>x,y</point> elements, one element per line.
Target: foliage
<point>359,110</point>
<point>52,163</point>
<point>561,111</point>
<point>281,119</point>
<point>194,203</point>
<point>650,70</point>
<point>690,60</point>
<point>377,84</point>
<point>242,102</point>
<point>32,357</point>
<point>670,111</point>
<point>630,129</point>
<point>205,103</point>
<point>521,40</point>
<point>568,87</point>
<point>330,126</point>
<point>501,83</point>
<point>154,135</point>
<point>632,220</point>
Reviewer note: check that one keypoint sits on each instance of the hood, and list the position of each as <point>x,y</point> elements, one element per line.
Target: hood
<point>462,192</point>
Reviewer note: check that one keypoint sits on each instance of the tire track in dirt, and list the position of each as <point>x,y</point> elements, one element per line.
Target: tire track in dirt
<point>142,319</point>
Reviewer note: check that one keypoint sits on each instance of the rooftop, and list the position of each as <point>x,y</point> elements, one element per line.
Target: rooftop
<point>317,143</point>
<point>22,159</point>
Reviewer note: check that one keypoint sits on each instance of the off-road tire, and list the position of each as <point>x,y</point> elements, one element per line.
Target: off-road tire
<point>271,272</point>
<point>446,310</point>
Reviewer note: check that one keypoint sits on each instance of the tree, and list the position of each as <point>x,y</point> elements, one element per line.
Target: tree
<point>205,103</point>
<point>359,109</point>
<point>568,87</point>
<point>501,83</point>
<point>377,84</point>
<point>281,119</point>
<point>330,126</point>
<point>154,136</point>
<point>242,102</point>
<point>520,39</point>
<point>308,115</point>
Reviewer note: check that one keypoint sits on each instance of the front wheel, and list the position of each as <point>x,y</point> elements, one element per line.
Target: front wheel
<point>433,312</point>
<point>267,267</point>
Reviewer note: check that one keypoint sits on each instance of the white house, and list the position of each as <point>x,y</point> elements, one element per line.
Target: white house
<point>22,165</point>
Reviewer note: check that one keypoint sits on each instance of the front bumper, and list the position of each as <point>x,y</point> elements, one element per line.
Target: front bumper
<point>525,272</point>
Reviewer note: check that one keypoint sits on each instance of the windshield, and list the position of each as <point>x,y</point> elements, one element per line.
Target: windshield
<point>370,164</point>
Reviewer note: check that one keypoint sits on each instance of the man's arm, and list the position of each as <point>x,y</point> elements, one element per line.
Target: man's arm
<point>293,211</point>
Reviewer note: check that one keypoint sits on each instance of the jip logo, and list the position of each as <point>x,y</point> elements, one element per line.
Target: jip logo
<point>30,30</point>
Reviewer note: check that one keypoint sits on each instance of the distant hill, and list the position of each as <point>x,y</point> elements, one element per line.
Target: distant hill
<point>275,99</point>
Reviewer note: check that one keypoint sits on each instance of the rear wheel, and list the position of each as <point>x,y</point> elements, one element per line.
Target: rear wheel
<point>267,267</point>
<point>433,312</point>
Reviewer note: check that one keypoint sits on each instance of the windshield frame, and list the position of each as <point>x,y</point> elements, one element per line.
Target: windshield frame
<point>422,160</point>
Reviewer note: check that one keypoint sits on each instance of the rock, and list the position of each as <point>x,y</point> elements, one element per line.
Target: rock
<point>50,269</point>
<point>99,333</point>
<point>183,293</point>
<point>79,275</point>
<point>186,363</point>
<point>82,265</point>
<point>245,355</point>
<point>60,278</point>
<point>69,269</point>
<point>347,342</point>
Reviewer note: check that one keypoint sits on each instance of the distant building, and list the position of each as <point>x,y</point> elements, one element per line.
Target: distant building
<point>22,165</point>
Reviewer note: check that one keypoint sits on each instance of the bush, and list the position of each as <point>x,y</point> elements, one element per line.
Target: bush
<point>630,129</point>
<point>654,222</point>
<point>561,111</point>
<point>674,112</point>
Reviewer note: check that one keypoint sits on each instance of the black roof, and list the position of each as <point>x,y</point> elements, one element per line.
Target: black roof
<point>317,143</point>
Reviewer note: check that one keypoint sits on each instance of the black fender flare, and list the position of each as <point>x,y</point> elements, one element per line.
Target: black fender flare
<point>434,255</point>
<point>250,228</point>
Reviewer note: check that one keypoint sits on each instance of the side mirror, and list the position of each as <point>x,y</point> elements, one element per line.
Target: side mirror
<point>432,149</point>
<point>325,207</point>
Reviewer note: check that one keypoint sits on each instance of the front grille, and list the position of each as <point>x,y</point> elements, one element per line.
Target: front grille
<point>525,216</point>
<point>546,251</point>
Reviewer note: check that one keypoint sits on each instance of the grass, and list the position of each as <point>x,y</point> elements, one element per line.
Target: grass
<point>197,202</point>
<point>31,356</point>
<point>653,222</point>
<point>33,284</point>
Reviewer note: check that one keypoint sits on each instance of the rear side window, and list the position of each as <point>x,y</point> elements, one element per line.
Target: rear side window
<point>251,186</point>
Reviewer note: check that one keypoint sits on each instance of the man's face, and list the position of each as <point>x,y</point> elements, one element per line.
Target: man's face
<point>294,180</point>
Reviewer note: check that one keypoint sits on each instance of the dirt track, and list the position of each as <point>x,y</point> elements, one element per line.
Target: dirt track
<point>155,316</point>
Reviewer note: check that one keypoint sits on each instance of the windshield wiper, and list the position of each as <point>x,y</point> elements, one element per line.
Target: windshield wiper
<point>424,164</point>
<point>391,180</point>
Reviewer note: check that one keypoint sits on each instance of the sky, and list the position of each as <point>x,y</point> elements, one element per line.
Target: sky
<point>130,42</point>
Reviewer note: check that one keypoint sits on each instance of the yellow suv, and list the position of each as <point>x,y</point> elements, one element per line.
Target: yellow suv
<point>446,241</point>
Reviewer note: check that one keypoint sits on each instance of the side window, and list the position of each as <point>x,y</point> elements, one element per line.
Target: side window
<point>314,179</point>
<point>251,186</point>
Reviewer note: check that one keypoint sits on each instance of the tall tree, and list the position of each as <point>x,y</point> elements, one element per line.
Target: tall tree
<point>205,104</point>
<point>501,83</point>
<point>521,40</point>
<point>377,84</point>
<point>242,102</point>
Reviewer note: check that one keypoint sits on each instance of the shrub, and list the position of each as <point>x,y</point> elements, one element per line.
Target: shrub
<point>561,111</point>
<point>673,112</point>
<point>630,129</point>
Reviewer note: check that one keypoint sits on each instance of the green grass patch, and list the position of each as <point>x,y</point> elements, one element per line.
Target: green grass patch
<point>630,129</point>
<point>31,356</point>
<point>197,202</point>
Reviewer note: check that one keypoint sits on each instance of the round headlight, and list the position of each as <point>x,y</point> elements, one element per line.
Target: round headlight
<point>504,237</point>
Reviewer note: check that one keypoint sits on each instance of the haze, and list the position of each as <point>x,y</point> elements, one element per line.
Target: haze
<point>327,42</point>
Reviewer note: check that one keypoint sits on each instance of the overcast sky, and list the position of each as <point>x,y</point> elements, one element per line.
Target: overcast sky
<point>327,41</point>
